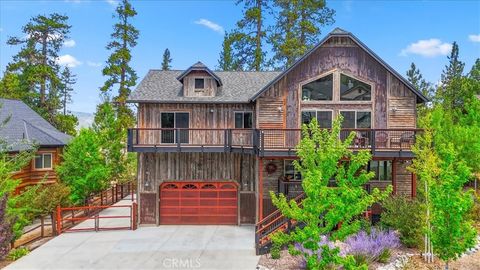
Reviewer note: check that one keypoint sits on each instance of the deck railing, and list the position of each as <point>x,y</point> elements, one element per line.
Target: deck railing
<point>261,140</point>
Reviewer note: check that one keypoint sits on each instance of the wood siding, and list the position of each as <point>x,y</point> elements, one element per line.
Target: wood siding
<point>31,176</point>
<point>341,54</point>
<point>210,86</point>
<point>201,115</point>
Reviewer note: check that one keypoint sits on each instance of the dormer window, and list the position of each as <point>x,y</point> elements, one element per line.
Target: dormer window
<point>199,83</point>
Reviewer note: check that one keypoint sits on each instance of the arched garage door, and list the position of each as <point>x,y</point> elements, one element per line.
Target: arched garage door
<point>199,203</point>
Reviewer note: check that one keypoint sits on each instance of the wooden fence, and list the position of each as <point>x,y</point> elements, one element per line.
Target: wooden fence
<point>48,224</point>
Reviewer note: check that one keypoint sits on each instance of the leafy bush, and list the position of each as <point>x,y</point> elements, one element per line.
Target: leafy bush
<point>324,245</point>
<point>17,253</point>
<point>84,167</point>
<point>404,214</point>
<point>372,247</point>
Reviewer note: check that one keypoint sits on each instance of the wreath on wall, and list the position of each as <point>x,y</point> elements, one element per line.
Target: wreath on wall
<point>271,168</point>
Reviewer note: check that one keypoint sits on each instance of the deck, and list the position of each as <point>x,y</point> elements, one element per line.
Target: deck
<point>263,142</point>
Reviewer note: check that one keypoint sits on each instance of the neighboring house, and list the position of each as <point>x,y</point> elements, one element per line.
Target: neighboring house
<point>24,129</point>
<point>212,144</point>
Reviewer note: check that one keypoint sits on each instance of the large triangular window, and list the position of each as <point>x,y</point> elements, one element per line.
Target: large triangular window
<point>352,89</point>
<point>321,89</point>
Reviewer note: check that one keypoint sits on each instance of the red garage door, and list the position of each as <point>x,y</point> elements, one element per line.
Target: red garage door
<point>198,203</point>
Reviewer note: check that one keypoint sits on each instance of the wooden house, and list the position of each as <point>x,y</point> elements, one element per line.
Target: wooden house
<point>212,144</point>
<point>25,129</point>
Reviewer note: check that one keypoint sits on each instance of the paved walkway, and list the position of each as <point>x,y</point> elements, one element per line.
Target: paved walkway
<point>163,247</point>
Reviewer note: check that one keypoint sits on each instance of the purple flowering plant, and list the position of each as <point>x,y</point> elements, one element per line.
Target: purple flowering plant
<point>372,246</point>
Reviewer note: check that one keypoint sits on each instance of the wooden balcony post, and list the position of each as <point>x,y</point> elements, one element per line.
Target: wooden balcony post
<point>394,176</point>
<point>373,140</point>
<point>260,189</point>
<point>262,142</point>
<point>177,138</point>
<point>414,185</point>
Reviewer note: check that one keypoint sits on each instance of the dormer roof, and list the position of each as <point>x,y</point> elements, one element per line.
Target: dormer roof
<point>199,66</point>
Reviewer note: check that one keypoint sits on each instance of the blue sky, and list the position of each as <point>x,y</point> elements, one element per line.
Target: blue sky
<point>400,32</point>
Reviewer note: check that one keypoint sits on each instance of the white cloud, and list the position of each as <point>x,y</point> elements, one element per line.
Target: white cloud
<point>428,48</point>
<point>94,64</point>
<point>112,2</point>
<point>69,43</point>
<point>211,25</point>
<point>474,38</point>
<point>68,60</point>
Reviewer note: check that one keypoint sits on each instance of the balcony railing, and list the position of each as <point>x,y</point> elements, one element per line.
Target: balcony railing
<point>258,141</point>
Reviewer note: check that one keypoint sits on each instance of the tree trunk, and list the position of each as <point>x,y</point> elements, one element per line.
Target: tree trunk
<point>43,81</point>
<point>258,50</point>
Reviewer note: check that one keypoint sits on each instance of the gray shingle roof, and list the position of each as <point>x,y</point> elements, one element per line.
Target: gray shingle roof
<point>199,66</point>
<point>26,127</point>
<point>163,87</point>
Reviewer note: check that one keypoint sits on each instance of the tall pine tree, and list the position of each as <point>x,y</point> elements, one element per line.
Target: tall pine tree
<point>118,69</point>
<point>66,89</point>
<point>455,67</point>
<point>416,79</point>
<point>34,75</point>
<point>249,35</point>
<point>167,60</point>
<point>297,29</point>
<point>448,93</point>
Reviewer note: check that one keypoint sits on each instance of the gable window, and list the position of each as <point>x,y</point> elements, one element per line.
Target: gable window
<point>170,121</point>
<point>382,169</point>
<point>43,161</point>
<point>199,83</point>
<point>289,170</point>
<point>243,119</point>
<point>352,89</point>
<point>321,89</point>
<point>356,119</point>
<point>324,118</point>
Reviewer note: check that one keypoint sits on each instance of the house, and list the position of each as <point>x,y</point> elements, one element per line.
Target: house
<point>24,129</point>
<point>212,144</point>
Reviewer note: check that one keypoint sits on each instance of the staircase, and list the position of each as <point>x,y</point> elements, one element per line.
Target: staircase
<point>274,222</point>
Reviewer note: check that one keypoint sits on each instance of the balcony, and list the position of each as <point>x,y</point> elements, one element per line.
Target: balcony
<point>263,142</point>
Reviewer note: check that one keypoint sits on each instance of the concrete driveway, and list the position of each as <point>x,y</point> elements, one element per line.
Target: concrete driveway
<point>163,247</point>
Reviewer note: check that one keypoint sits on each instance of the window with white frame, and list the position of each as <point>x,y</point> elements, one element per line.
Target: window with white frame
<point>243,119</point>
<point>43,161</point>
<point>324,118</point>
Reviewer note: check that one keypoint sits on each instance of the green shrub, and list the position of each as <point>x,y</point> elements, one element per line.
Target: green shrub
<point>17,253</point>
<point>404,215</point>
<point>275,251</point>
<point>385,256</point>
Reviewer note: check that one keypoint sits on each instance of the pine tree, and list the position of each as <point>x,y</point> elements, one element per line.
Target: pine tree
<point>167,60</point>
<point>227,60</point>
<point>475,72</point>
<point>249,35</point>
<point>118,69</point>
<point>455,67</point>
<point>297,29</point>
<point>67,81</point>
<point>36,62</point>
<point>416,79</point>
<point>448,93</point>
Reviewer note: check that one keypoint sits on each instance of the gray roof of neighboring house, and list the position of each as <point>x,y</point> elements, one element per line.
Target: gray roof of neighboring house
<point>237,87</point>
<point>25,127</point>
